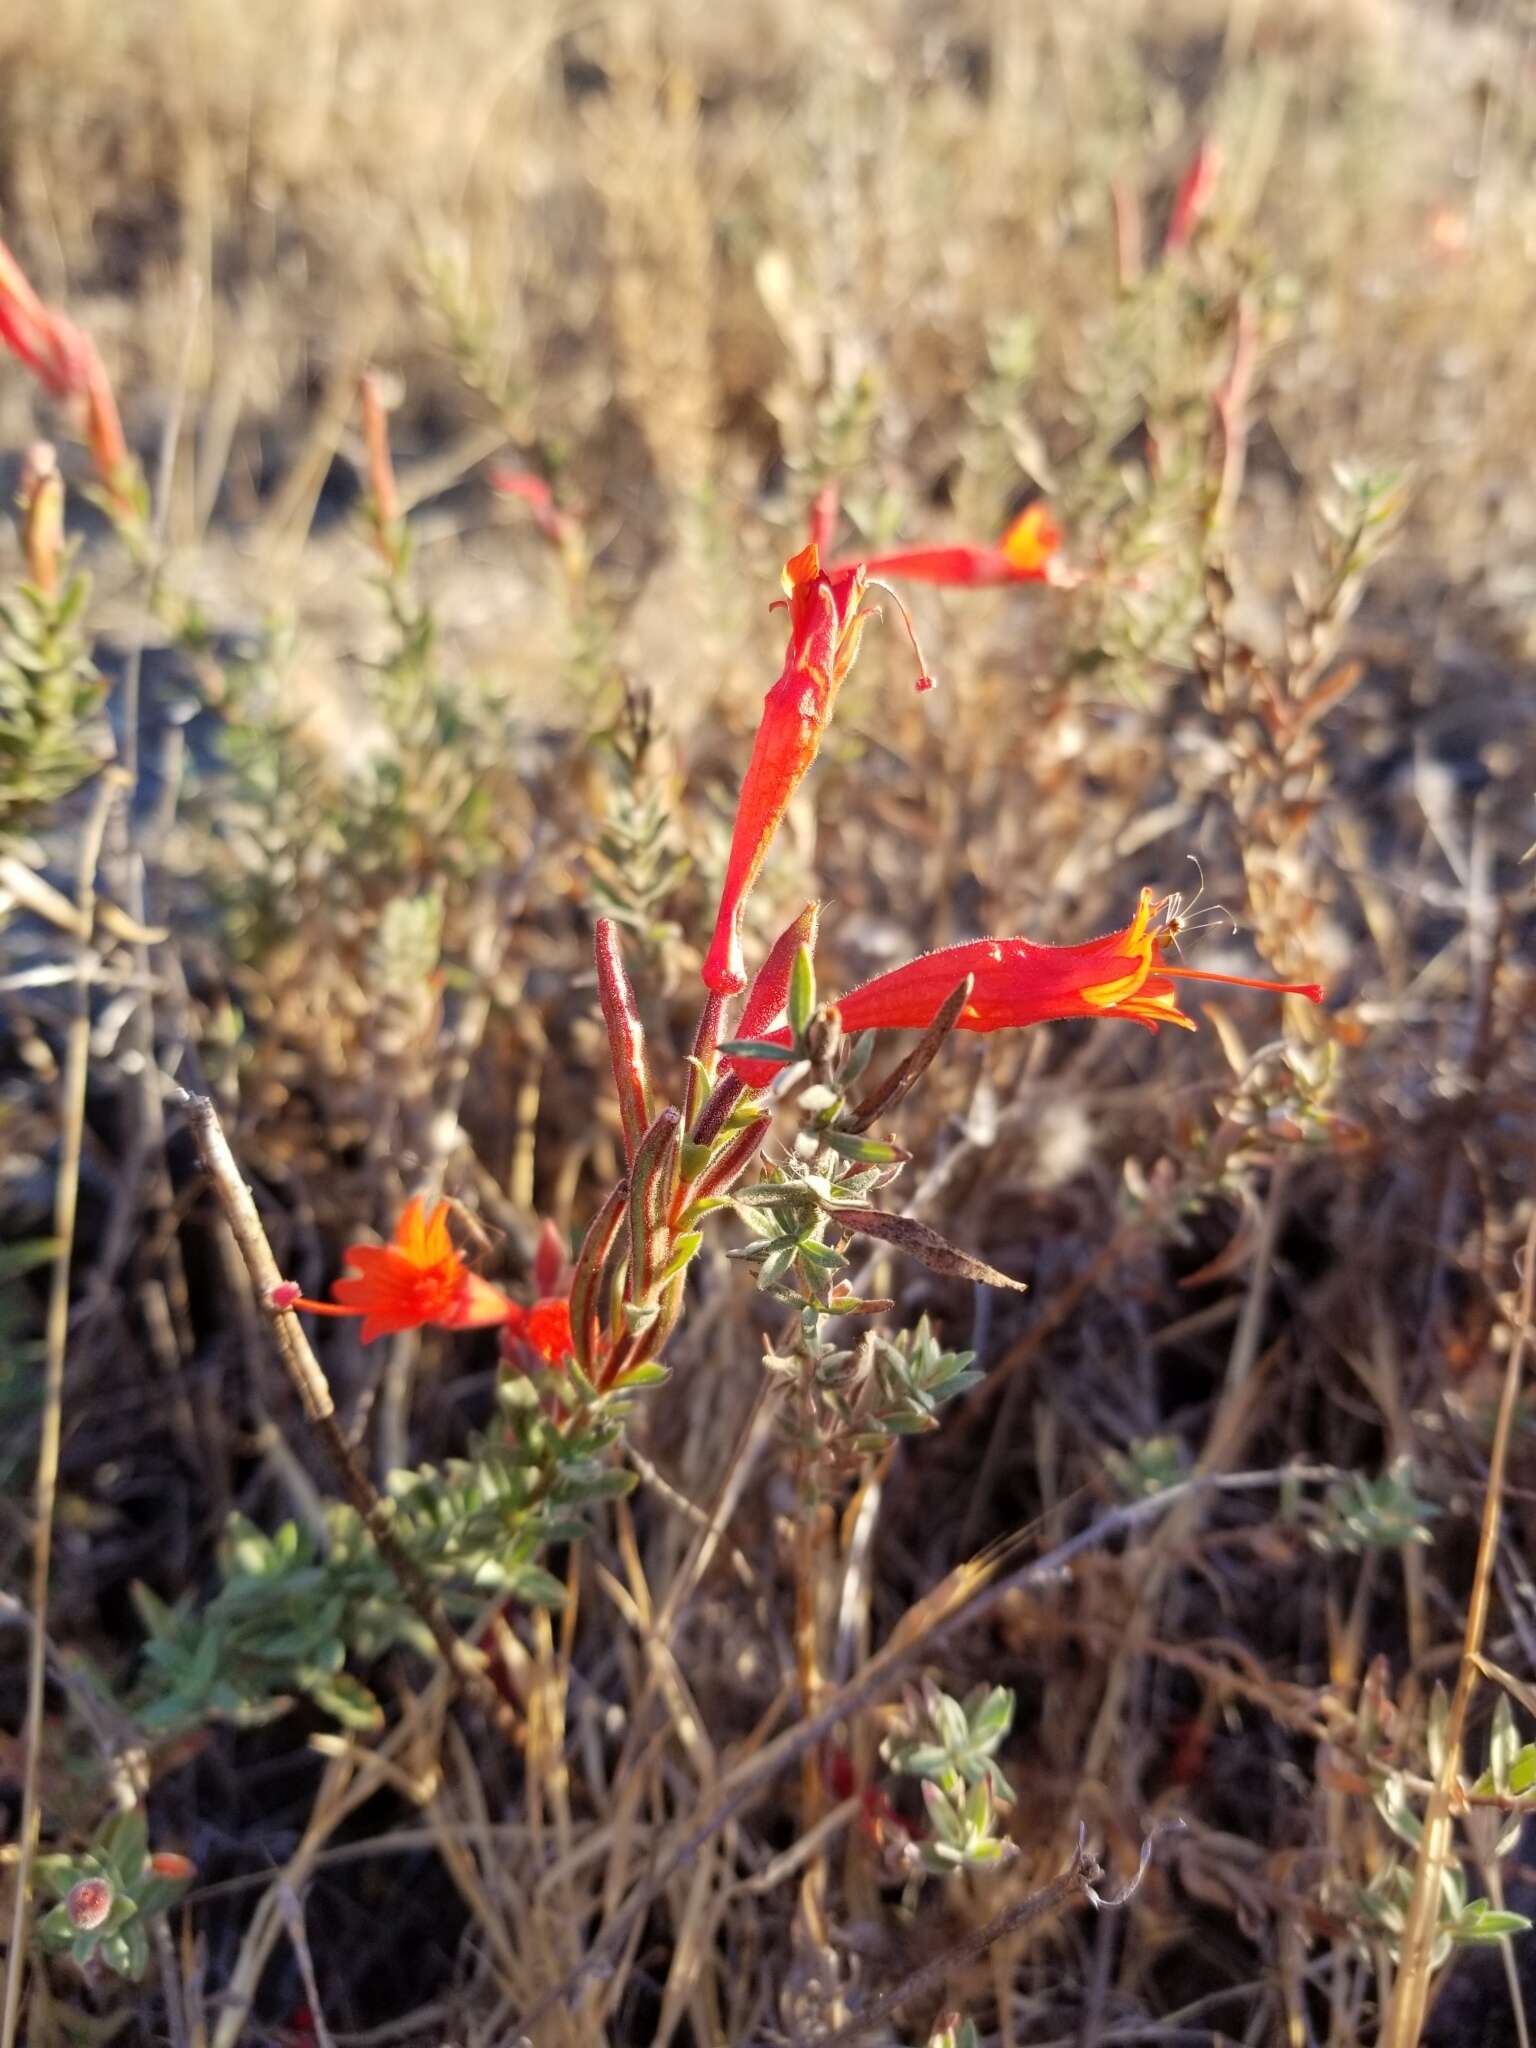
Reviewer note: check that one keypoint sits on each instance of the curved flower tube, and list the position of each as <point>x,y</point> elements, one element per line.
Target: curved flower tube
<point>826,624</point>
<point>1023,555</point>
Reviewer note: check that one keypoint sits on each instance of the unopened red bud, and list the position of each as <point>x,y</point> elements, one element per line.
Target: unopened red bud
<point>626,1037</point>
<point>550,1269</point>
<point>89,1903</point>
<point>381,468</point>
<point>171,1864</point>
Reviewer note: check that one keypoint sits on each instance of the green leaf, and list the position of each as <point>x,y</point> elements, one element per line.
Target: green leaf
<point>123,1845</point>
<point>116,1952</point>
<point>867,1151</point>
<point>538,1587</point>
<point>135,1950</point>
<point>801,1005</point>
<point>756,1049</point>
<point>56,1875</point>
<point>685,1248</point>
<point>56,1930</point>
<point>992,1717</point>
<point>23,1256</point>
<point>942,1818</point>
<point>648,1375</point>
<point>1494,1926</point>
<point>348,1701</point>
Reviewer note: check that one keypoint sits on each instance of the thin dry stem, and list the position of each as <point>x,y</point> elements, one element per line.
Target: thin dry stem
<point>1410,1992</point>
<point>66,1197</point>
<point>1078,1876</point>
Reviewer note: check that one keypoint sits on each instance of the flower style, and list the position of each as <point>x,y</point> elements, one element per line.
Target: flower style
<point>826,623</point>
<point>419,1277</point>
<point>1023,555</point>
<point>1016,982</point>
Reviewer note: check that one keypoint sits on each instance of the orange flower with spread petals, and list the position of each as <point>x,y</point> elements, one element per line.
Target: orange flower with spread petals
<point>419,1277</point>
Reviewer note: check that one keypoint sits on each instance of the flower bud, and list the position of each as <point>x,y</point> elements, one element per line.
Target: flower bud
<point>381,467</point>
<point>89,1903</point>
<point>41,498</point>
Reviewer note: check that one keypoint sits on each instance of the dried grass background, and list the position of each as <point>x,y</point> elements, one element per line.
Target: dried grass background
<point>691,260</point>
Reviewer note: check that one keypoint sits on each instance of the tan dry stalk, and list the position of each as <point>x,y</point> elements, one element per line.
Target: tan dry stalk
<point>1410,1993</point>
<point>66,1199</point>
<point>969,1594</point>
<point>351,1779</point>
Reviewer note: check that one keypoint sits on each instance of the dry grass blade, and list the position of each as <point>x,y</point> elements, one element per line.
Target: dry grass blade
<point>972,1592</point>
<point>56,1340</point>
<point>1079,1874</point>
<point>1410,1992</point>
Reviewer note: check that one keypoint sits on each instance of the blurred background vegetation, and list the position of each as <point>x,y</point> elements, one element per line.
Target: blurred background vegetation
<point>639,281</point>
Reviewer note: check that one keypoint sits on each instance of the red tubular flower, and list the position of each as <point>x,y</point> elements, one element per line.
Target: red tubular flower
<point>382,487</point>
<point>1016,982</point>
<point>825,507</point>
<point>66,363</point>
<point>46,345</point>
<point>104,428</point>
<point>1192,201</point>
<point>560,528</point>
<point>1023,555</point>
<point>826,623</point>
<point>419,1277</point>
<point>548,1329</point>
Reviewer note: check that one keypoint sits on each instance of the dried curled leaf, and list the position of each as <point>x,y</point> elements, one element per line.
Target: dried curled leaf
<point>924,1245</point>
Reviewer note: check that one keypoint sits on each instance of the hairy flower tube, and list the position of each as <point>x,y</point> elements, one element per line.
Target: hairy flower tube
<point>826,623</point>
<point>1023,555</point>
<point>1016,982</point>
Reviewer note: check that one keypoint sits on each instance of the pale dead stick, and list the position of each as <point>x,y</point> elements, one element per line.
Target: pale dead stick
<point>66,1199</point>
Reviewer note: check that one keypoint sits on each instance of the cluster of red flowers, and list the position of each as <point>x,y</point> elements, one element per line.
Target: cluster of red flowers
<point>1015,981</point>
<point>420,1277</point>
